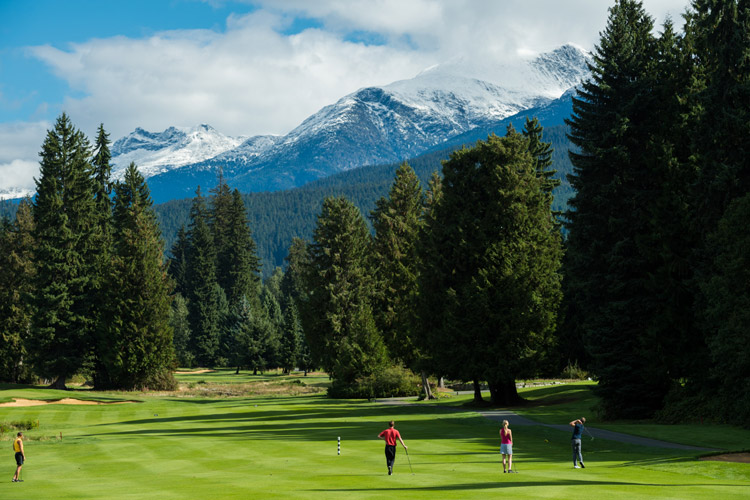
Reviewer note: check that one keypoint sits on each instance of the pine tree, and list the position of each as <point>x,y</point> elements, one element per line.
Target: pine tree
<point>181,329</point>
<point>17,277</point>
<point>727,314</point>
<point>719,31</point>
<point>339,325</point>
<point>275,323</point>
<point>542,153</point>
<point>610,266</point>
<point>241,273</point>
<point>290,345</point>
<point>397,221</point>
<point>497,270</point>
<point>138,351</point>
<point>101,170</point>
<point>62,337</point>
<point>178,262</point>
<point>203,300</point>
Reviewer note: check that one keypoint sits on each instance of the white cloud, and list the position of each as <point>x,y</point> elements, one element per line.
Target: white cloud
<point>19,159</point>
<point>18,177</point>
<point>249,80</point>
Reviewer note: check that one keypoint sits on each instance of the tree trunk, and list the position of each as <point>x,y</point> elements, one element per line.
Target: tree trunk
<point>504,393</point>
<point>426,384</point>
<point>441,383</point>
<point>238,370</point>
<point>477,392</point>
<point>59,383</point>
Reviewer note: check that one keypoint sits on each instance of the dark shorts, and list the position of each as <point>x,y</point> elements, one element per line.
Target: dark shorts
<point>19,458</point>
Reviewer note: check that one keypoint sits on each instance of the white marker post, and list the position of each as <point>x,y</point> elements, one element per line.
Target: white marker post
<point>339,445</point>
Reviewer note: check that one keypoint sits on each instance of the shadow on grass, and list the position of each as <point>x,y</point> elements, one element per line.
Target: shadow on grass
<point>519,483</point>
<point>323,421</point>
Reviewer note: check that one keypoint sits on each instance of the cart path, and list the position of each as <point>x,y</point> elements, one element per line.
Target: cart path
<point>519,420</point>
<point>621,437</point>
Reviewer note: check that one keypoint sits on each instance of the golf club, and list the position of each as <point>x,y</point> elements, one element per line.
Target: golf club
<point>409,459</point>
<point>587,431</point>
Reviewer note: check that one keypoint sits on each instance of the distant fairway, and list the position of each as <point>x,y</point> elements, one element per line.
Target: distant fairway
<point>199,447</point>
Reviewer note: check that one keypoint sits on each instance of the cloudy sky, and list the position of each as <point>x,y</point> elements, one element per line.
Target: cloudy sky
<point>246,67</point>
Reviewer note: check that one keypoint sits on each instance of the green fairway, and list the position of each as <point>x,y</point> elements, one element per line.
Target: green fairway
<point>188,445</point>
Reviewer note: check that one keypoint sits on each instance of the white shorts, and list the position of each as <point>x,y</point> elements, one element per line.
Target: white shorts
<point>506,449</point>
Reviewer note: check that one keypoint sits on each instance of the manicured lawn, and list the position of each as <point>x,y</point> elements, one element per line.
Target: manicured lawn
<point>277,446</point>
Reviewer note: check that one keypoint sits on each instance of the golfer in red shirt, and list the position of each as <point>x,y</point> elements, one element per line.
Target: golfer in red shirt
<point>389,436</point>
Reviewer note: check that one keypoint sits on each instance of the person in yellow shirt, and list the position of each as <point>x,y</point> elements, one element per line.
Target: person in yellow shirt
<point>20,457</point>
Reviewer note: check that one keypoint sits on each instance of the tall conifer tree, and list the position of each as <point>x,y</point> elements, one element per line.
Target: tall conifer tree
<point>496,273</point>
<point>203,300</point>
<point>610,268</point>
<point>339,324</point>
<point>17,277</point>
<point>397,221</point>
<point>137,352</point>
<point>64,213</point>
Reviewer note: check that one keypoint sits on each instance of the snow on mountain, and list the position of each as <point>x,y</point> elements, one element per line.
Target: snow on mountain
<point>15,193</point>
<point>156,153</point>
<point>370,126</point>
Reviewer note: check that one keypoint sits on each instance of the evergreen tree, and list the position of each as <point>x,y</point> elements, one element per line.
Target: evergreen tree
<point>727,314</point>
<point>17,277</point>
<point>178,262</point>
<point>497,270</point>
<point>719,32</point>
<point>542,153</point>
<point>610,264</point>
<point>203,300</point>
<point>181,329</point>
<point>290,345</point>
<point>397,221</point>
<point>428,307</point>
<point>275,324</point>
<point>293,292</point>
<point>339,324</point>
<point>64,214</point>
<point>137,352</point>
<point>101,170</point>
<point>237,263</point>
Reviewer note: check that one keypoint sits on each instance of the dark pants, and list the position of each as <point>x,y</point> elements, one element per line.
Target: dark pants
<point>577,451</point>
<point>390,454</point>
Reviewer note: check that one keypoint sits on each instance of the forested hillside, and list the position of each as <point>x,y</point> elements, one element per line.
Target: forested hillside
<point>276,218</point>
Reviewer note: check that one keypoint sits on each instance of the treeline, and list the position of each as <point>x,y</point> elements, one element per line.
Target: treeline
<point>223,315</point>
<point>657,257</point>
<point>278,217</point>
<point>84,288</point>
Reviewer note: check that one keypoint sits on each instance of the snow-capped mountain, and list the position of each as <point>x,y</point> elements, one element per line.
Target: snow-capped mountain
<point>370,126</point>
<point>156,153</point>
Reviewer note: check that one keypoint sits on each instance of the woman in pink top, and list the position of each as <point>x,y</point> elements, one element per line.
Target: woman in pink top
<point>506,445</point>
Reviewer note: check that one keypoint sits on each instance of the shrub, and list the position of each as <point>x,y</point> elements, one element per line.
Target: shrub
<point>573,371</point>
<point>22,425</point>
<point>393,381</point>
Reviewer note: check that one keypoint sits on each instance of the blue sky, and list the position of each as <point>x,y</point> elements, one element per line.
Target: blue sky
<point>245,67</point>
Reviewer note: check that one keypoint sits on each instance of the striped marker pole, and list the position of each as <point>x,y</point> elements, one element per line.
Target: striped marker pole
<point>339,445</point>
